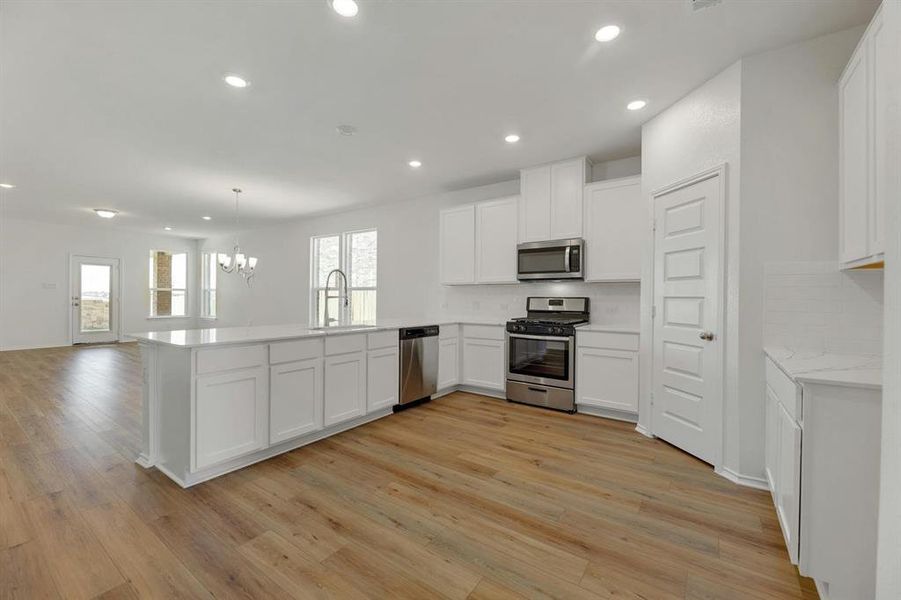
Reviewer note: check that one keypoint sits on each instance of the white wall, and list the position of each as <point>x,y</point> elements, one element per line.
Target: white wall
<point>772,118</point>
<point>408,276</point>
<point>614,169</point>
<point>888,572</point>
<point>697,133</point>
<point>34,278</point>
<point>789,192</point>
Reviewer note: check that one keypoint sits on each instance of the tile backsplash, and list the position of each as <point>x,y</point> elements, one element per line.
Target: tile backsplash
<point>816,306</point>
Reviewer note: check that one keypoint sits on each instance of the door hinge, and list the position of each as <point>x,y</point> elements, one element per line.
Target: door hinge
<point>654,312</point>
<point>652,398</point>
<point>654,225</point>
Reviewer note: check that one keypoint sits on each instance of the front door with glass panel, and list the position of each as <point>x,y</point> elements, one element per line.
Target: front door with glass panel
<point>95,300</point>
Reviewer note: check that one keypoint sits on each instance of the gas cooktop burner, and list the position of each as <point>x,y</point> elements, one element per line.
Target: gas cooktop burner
<point>551,316</point>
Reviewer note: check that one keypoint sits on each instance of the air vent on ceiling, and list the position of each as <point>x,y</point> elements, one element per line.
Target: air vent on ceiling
<point>702,4</point>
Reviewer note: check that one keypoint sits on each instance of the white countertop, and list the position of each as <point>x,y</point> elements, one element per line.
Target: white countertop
<point>217,336</point>
<point>817,366</point>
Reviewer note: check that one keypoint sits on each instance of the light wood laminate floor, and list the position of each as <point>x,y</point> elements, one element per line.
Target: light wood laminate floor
<point>465,497</point>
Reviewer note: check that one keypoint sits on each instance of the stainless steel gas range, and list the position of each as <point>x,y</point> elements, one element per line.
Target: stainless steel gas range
<point>541,352</point>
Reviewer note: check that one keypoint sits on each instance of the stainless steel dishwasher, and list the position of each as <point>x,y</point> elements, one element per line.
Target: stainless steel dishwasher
<point>418,365</point>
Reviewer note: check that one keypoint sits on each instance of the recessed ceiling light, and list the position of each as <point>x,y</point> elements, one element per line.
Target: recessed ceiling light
<point>167,228</point>
<point>512,138</point>
<point>106,213</point>
<point>235,81</point>
<point>7,186</point>
<point>346,129</point>
<point>206,218</point>
<point>607,33</point>
<point>345,8</point>
<point>415,164</point>
<point>636,105</point>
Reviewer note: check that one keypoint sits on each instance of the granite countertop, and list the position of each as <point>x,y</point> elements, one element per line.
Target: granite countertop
<point>818,366</point>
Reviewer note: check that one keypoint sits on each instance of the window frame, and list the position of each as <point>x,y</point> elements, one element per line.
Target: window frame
<point>205,288</point>
<point>151,289</point>
<point>345,264</point>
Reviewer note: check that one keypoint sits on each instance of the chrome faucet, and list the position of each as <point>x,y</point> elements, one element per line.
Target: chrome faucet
<point>339,296</point>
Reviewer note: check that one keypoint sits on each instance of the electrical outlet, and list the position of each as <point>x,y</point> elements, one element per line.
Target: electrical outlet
<point>48,286</point>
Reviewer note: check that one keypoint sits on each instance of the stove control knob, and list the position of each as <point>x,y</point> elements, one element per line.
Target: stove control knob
<point>558,330</point>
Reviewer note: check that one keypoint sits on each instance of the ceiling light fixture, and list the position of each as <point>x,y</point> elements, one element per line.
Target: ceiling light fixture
<point>206,218</point>
<point>415,164</point>
<point>636,105</point>
<point>106,213</point>
<point>7,186</point>
<point>236,81</point>
<point>512,138</point>
<point>607,33</point>
<point>345,8</point>
<point>346,130</point>
<point>167,228</point>
<point>238,262</point>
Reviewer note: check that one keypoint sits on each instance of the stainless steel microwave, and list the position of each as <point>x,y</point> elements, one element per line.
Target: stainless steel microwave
<point>556,259</point>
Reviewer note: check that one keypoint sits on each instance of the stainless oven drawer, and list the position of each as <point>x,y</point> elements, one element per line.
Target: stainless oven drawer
<point>540,395</point>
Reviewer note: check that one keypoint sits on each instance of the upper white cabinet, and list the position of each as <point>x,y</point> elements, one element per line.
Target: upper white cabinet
<point>551,205</point>
<point>478,242</point>
<point>863,107</point>
<point>457,240</point>
<point>496,240</point>
<point>616,225</point>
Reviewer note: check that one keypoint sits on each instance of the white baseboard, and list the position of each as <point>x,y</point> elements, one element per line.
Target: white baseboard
<point>607,413</point>
<point>43,347</point>
<point>758,483</point>
<point>822,589</point>
<point>644,431</point>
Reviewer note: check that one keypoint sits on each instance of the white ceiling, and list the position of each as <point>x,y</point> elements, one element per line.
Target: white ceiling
<point>122,104</point>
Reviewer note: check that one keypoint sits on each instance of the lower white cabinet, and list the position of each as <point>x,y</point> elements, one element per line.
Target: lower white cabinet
<point>383,373</point>
<point>607,379</point>
<point>483,363</point>
<point>295,399</point>
<point>345,387</point>
<point>448,362</point>
<point>231,415</point>
<point>822,466</point>
<point>607,371</point>
<point>783,468</point>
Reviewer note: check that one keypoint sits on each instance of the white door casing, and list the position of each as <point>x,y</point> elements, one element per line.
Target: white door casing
<point>687,344</point>
<point>94,317</point>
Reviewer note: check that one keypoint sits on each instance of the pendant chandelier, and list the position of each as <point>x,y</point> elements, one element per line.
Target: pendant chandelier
<point>238,262</point>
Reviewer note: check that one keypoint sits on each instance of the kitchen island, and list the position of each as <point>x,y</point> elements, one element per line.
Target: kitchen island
<point>219,399</point>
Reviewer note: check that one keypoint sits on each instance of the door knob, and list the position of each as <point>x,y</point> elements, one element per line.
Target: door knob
<point>706,336</point>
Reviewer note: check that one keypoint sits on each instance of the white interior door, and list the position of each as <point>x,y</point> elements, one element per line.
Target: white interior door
<point>95,300</point>
<point>688,348</point>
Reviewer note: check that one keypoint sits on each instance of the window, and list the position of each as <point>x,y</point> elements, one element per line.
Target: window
<point>355,253</point>
<point>168,284</point>
<point>209,269</point>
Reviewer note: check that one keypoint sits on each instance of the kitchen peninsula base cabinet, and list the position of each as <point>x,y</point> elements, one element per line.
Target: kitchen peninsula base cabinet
<point>210,408</point>
<point>607,374</point>
<point>448,358</point>
<point>822,467</point>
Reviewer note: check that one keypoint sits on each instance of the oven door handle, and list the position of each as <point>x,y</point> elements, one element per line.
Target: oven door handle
<point>551,338</point>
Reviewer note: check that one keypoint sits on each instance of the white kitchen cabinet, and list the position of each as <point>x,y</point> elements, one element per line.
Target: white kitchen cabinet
<point>383,376</point>
<point>863,167</point>
<point>457,245</point>
<point>551,200</point>
<point>607,379</point>
<point>231,411</point>
<point>821,460</point>
<point>607,373</point>
<point>295,399</point>
<point>496,238</point>
<point>615,229</point>
<point>448,362</point>
<point>484,352</point>
<point>345,387</point>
